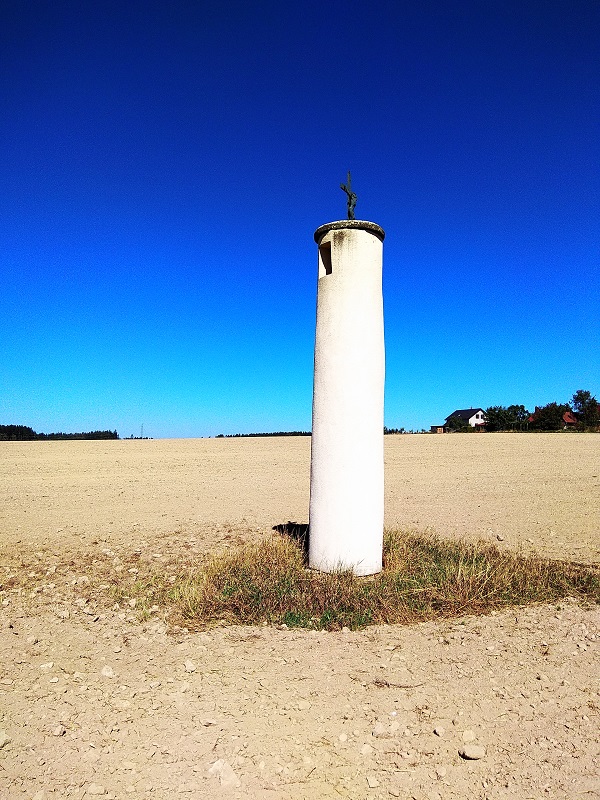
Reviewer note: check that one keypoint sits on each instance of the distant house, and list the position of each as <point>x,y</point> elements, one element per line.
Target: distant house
<point>568,418</point>
<point>475,417</point>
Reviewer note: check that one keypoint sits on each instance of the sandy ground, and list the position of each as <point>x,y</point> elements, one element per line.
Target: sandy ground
<point>95,703</point>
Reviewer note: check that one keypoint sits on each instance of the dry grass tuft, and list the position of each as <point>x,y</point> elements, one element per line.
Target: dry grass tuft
<point>423,577</point>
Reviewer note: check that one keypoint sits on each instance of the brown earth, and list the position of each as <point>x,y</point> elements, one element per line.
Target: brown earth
<point>94,702</point>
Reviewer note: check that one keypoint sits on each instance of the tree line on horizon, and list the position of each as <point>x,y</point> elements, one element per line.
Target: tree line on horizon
<point>583,408</point>
<point>23,433</point>
<point>275,433</point>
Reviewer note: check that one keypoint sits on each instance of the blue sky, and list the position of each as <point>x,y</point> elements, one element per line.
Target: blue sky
<point>163,167</point>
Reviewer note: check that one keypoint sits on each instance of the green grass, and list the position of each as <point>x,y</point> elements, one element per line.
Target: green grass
<point>423,578</point>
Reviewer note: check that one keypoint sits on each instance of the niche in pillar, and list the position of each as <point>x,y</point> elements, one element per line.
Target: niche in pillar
<point>325,266</point>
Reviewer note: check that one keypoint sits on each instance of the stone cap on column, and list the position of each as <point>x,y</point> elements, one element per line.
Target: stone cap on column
<point>356,224</point>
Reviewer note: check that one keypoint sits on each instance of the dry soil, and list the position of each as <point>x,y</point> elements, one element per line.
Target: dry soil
<point>94,702</point>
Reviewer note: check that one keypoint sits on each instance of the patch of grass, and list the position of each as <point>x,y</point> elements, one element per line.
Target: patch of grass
<point>423,577</point>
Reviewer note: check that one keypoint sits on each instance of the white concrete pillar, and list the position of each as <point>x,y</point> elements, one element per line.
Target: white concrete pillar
<point>346,479</point>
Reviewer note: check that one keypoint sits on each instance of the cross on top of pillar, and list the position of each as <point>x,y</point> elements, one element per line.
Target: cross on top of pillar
<point>352,198</point>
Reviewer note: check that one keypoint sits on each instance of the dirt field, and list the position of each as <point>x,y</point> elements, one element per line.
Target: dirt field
<point>94,703</point>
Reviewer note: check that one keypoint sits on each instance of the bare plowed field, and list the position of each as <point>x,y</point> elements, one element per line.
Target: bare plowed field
<point>94,702</point>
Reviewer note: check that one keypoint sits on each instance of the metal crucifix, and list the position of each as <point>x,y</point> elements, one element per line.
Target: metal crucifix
<point>351,196</point>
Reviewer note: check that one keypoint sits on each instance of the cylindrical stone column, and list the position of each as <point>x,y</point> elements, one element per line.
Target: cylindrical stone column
<point>346,478</point>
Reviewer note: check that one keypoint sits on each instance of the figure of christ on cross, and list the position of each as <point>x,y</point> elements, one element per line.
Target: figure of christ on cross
<point>351,196</point>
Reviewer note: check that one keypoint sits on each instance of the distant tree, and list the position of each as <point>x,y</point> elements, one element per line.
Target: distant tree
<point>549,417</point>
<point>517,417</point>
<point>457,424</point>
<point>496,418</point>
<point>17,433</point>
<point>269,433</point>
<point>500,418</point>
<point>586,408</point>
<point>25,433</point>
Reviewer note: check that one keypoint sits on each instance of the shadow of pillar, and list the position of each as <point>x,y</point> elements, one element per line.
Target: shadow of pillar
<point>298,532</point>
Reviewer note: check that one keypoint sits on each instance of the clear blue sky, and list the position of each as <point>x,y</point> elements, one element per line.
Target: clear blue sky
<point>163,167</point>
